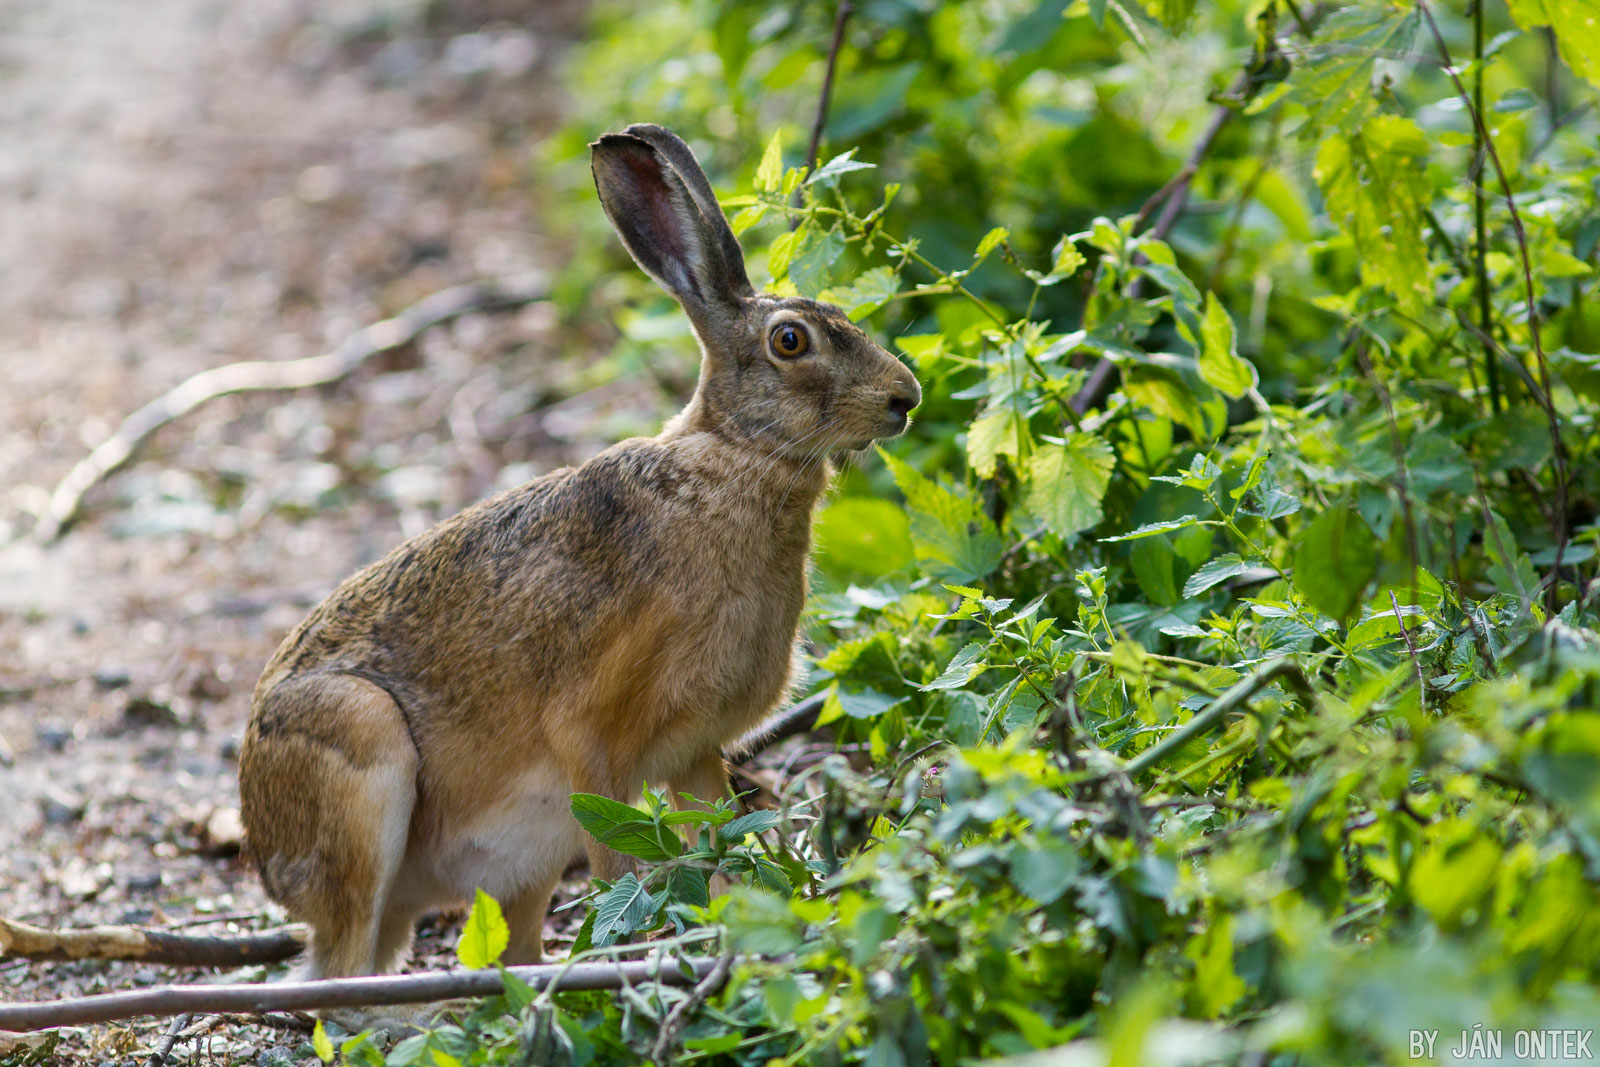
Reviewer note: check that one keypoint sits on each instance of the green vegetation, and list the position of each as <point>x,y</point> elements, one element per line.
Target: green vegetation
<point>1225,689</point>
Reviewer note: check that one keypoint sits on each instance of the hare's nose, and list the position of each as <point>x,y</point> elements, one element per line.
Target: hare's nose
<point>903,396</point>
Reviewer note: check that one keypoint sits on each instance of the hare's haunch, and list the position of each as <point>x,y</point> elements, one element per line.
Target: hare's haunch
<point>418,736</point>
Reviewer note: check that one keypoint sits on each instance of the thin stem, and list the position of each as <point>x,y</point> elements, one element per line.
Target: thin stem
<point>1479,212</point>
<point>841,16</point>
<point>1557,453</point>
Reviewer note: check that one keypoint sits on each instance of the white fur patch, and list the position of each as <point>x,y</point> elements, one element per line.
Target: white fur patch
<point>528,837</point>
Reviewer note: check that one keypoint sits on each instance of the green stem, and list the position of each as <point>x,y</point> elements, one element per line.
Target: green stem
<point>1491,367</point>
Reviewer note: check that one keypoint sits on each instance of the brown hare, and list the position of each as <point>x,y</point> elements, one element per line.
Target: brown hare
<point>418,736</point>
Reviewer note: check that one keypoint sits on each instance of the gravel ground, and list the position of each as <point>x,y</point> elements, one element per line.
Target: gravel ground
<point>184,184</point>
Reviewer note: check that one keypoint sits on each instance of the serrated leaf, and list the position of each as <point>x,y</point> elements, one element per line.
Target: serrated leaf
<point>953,538</point>
<point>1150,529</point>
<point>990,242</point>
<point>963,666</point>
<point>626,908</point>
<point>1220,362</point>
<point>1510,570</point>
<point>781,252</point>
<point>1376,186</point>
<point>644,839</point>
<point>770,172</point>
<point>747,218</point>
<point>870,291</point>
<point>997,433</point>
<point>485,935</point>
<point>1213,573</point>
<point>809,266</point>
<point>753,822</point>
<point>1576,25</point>
<point>839,165</point>
<point>600,815</point>
<point>1066,482</point>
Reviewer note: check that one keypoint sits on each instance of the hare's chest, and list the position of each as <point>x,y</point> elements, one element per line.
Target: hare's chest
<point>742,658</point>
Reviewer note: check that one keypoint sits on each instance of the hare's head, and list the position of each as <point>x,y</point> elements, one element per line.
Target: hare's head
<point>784,373</point>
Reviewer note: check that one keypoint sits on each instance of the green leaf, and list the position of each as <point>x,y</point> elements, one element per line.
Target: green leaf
<point>1336,558</point>
<point>1510,570</point>
<point>1066,482</point>
<point>1377,190</point>
<point>1213,573</point>
<point>870,291</point>
<point>954,540</point>
<point>770,172</point>
<point>990,242</point>
<point>1046,872</point>
<point>321,1043</point>
<point>1335,86</point>
<point>645,839</point>
<point>627,907</point>
<point>781,253</point>
<point>829,172</point>
<point>1220,363</point>
<point>600,815</point>
<point>997,433</point>
<point>809,268</point>
<point>1576,25</point>
<point>485,935</point>
<point>1151,529</point>
<point>963,667</point>
<point>754,822</point>
<point>1216,986</point>
<point>748,217</point>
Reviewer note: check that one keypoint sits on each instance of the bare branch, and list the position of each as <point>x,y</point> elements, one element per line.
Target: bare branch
<point>147,945</point>
<point>164,1047</point>
<point>673,1024</point>
<point>1411,649</point>
<point>1171,198</point>
<point>840,17</point>
<point>341,992</point>
<point>269,376</point>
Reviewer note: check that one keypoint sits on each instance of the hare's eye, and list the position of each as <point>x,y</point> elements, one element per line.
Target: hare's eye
<point>790,340</point>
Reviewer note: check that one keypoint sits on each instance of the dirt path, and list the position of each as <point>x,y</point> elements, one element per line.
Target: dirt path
<point>185,183</point>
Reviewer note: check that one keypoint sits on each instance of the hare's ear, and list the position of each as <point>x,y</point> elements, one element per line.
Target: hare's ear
<point>661,204</point>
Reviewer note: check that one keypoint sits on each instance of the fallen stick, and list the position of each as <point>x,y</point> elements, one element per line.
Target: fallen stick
<point>147,945</point>
<point>273,375</point>
<point>340,992</point>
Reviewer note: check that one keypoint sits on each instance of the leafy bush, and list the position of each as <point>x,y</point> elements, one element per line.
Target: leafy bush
<point>1226,688</point>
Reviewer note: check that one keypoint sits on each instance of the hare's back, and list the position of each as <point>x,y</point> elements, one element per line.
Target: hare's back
<point>517,579</point>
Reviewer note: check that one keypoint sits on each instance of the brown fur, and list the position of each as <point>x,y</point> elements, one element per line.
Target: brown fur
<point>418,735</point>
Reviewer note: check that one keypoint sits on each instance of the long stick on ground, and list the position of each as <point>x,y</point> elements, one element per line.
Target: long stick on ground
<point>148,945</point>
<point>340,992</point>
<point>272,375</point>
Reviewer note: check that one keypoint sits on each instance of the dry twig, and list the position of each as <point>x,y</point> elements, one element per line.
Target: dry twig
<point>673,1024</point>
<point>147,945</point>
<point>164,1046</point>
<point>273,376</point>
<point>339,992</point>
<point>841,16</point>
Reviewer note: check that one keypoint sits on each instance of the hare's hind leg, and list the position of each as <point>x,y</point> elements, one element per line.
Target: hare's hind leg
<point>525,915</point>
<point>327,780</point>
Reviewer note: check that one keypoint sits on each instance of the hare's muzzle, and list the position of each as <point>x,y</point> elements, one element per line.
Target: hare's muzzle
<point>904,395</point>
